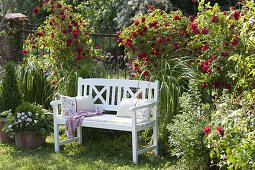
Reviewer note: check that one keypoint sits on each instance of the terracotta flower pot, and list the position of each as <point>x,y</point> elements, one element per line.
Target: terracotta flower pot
<point>4,137</point>
<point>29,139</point>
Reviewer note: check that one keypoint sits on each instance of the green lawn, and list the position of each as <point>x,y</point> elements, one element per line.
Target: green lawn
<point>112,151</point>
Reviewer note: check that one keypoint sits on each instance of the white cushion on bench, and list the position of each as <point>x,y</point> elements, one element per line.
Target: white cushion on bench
<point>113,119</point>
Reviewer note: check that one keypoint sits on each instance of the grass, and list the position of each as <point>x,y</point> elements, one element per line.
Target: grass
<point>111,151</point>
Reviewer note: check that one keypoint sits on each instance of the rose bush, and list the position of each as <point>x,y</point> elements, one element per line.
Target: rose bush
<point>65,34</point>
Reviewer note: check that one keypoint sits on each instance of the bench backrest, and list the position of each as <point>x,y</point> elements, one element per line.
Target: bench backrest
<point>107,93</point>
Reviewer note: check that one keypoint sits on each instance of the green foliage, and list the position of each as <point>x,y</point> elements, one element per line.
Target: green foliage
<point>236,148</point>
<point>30,117</point>
<point>185,133</point>
<point>34,85</point>
<point>11,93</point>
<point>173,75</point>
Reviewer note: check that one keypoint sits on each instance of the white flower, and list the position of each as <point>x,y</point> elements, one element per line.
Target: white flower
<point>29,113</point>
<point>10,126</point>
<point>19,120</point>
<point>18,114</point>
<point>35,121</point>
<point>23,117</point>
<point>30,120</point>
<point>22,113</point>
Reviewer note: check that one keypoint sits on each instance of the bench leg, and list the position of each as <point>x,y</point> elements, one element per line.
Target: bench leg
<point>155,138</point>
<point>134,146</point>
<point>56,137</point>
<point>79,134</point>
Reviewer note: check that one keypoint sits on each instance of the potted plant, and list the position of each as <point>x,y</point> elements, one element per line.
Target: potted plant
<point>30,125</point>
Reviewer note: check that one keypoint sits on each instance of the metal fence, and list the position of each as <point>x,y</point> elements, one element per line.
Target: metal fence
<point>114,56</point>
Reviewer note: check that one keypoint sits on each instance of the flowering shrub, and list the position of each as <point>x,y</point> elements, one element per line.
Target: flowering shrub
<point>150,37</point>
<point>232,140</point>
<point>29,117</point>
<point>65,33</point>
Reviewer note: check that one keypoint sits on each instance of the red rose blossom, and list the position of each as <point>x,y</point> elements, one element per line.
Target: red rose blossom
<point>207,129</point>
<point>236,15</point>
<point>143,19</point>
<point>136,23</point>
<point>176,17</point>
<point>220,131</point>
<point>25,51</point>
<point>59,5</point>
<point>36,10</point>
<point>205,31</point>
<point>151,7</point>
<point>79,49</point>
<point>40,4</point>
<point>145,73</point>
<point>133,34</point>
<point>214,19</point>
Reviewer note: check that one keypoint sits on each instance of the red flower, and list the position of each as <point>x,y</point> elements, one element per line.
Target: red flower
<point>78,58</point>
<point>135,65</point>
<point>236,15</point>
<point>62,12</point>
<point>64,31</point>
<point>143,19</point>
<point>207,129</point>
<point>204,48</point>
<point>160,40</point>
<point>145,28</point>
<point>79,49</point>
<point>145,73</point>
<point>224,53</point>
<point>175,44</point>
<point>52,3</point>
<point>52,11</point>
<point>75,33</point>
<point>197,60</point>
<point>151,7</point>
<point>36,10</point>
<point>136,23</point>
<point>220,131</point>
<point>132,75</point>
<point>133,34</point>
<point>235,42</point>
<point>214,19</point>
<point>176,17</point>
<point>142,55</point>
<point>97,46</point>
<point>205,31</point>
<point>214,57</point>
<point>51,23</point>
<point>167,38</point>
<point>209,70</point>
<point>191,18</point>
<point>25,51</point>
<point>39,34</point>
<point>120,40</point>
<point>40,4</point>
<point>59,5</point>
<point>118,33</point>
<point>228,86</point>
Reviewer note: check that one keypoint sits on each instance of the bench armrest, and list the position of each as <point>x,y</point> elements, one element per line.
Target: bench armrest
<point>54,105</point>
<point>135,108</point>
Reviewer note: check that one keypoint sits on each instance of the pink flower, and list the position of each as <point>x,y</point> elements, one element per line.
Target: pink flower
<point>209,70</point>
<point>214,19</point>
<point>176,17</point>
<point>207,129</point>
<point>220,131</point>
<point>132,75</point>
<point>120,40</point>
<point>235,42</point>
<point>36,10</point>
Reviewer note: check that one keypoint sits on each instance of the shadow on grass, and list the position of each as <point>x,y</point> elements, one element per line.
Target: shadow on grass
<point>105,150</point>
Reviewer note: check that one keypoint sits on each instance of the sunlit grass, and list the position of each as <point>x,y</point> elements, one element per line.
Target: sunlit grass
<point>113,152</point>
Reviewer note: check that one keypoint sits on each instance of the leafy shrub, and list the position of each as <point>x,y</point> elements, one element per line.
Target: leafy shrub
<point>30,117</point>
<point>186,135</point>
<point>232,140</point>
<point>11,93</point>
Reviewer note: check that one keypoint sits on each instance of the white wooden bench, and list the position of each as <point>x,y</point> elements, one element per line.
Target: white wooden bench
<point>109,93</point>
